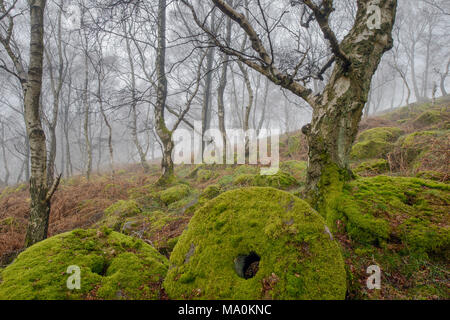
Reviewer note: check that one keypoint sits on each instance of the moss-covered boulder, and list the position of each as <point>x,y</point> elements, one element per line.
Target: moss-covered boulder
<point>174,194</point>
<point>422,151</point>
<point>432,175</point>
<point>387,134</point>
<point>372,167</point>
<point>256,243</point>
<point>410,210</point>
<point>118,212</point>
<point>375,143</point>
<point>205,175</point>
<point>112,265</point>
<point>427,119</point>
<point>280,180</point>
<point>211,192</point>
<point>126,208</point>
<point>371,149</point>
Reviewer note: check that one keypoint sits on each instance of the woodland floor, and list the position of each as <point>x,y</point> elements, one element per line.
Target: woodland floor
<point>420,149</point>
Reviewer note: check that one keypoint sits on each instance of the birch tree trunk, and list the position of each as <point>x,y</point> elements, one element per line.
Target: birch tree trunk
<point>40,199</point>
<point>163,132</point>
<point>221,91</point>
<point>134,134</point>
<point>339,108</point>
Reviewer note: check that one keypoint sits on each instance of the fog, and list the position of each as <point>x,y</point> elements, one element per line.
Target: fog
<point>100,75</point>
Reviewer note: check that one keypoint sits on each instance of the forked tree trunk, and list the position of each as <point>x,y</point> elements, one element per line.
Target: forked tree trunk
<point>339,109</point>
<point>40,202</point>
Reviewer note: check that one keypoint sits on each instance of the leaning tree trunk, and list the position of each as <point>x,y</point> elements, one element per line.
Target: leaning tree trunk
<point>339,109</point>
<point>40,200</point>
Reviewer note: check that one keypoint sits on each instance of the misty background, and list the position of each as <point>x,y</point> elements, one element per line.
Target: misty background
<point>99,76</point>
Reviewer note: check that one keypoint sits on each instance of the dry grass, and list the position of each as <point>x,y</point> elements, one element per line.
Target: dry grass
<point>78,203</point>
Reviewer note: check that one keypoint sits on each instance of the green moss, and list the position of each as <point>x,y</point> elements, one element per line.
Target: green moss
<point>174,194</point>
<point>417,148</point>
<point>245,169</point>
<point>387,134</point>
<point>211,192</point>
<point>416,138</point>
<point>375,143</point>
<point>124,208</point>
<point>205,175</point>
<point>117,214</point>
<point>426,119</point>
<point>113,266</point>
<point>431,175</point>
<point>226,180</point>
<point>330,188</point>
<point>280,180</point>
<point>371,149</point>
<point>298,258</point>
<point>296,168</point>
<point>372,167</point>
<point>422,235</point>
<point>415,211</point>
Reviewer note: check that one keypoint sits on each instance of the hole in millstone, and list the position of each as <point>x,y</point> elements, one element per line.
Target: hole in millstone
<point>247,266</point>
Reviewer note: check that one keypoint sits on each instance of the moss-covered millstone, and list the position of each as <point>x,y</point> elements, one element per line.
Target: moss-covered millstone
<point>256,243</point>
<point>113,266</point>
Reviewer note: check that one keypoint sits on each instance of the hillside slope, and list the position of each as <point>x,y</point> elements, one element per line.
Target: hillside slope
<point>395,214</point>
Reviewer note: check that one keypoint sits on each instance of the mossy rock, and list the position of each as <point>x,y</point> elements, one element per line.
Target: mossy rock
<point>226,180</point>
<point>414,211</point>
<point>386,134</point>
<point>431,175</point>
<point>296,168</point>
<point>124,208</point>
<point>211,192</point>
<point>113,266</point>
<point>372,167</point>
<point>116,214</point>
<point>427,119</point>
<point>371,149</point>
<point>256,243</point>
<point>174,194</point>
<point>245,169</point>
<point>375,143</point>
<point>205,175</point>
<point>415,147</point>
<point>280,180</point>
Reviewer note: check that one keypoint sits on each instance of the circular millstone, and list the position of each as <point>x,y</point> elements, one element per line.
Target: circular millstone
<point>111,266</point>
<point>256,243</point>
